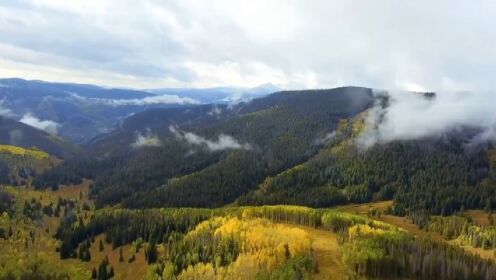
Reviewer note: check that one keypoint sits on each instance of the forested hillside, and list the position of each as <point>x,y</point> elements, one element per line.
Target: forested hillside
<point>207,164</point>
<point>18,166</point>
<point>258,243</point>
<point>287,148</point>
<point>80,111</point>
<point>19,134</point>
<point>126,215</point>
<point>435,174</point>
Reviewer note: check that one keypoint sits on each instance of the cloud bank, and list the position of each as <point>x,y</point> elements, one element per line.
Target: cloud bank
<point>46,125</point>
<point>146,140</point>
<point>292,44</point>
<point>412,116</point>
<point>4,111</point>
<point>16,136</point>
<point>150,100</point>
<point>224,142</point>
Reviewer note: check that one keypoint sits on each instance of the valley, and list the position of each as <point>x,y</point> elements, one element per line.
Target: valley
<point>325,244</point>
<point>247,140</point>
<point>276,188</point>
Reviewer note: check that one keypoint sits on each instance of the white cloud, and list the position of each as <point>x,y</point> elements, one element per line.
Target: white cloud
<point>4,111</point>
<point>150,100</point>
<point>46,125</point>
<point>412,116</point>
<point>16,136</point>
<point>146,140</point>
<point>328,137</point>
<point>216,110</point>
<point>223,142</point>
<point>441,45</point>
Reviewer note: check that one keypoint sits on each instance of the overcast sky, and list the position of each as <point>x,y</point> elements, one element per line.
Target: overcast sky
<point>413,45</point>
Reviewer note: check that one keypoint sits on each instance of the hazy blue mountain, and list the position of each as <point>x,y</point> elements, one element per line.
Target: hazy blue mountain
<point>220,94</point>
<point>19,134</point>
<point>80,112</point>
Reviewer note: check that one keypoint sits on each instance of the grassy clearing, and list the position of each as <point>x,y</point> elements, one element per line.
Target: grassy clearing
<point>365,208</point>
<point>480,217</point>
<point>327,253</point>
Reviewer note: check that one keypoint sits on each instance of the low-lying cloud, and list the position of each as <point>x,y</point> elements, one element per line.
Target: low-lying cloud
<point>146,140</point>
<point>151,100</point>
<point>4,111</point>
<point>148,100</point>
<point>412,116</point>
<point>325,139</point>
<point>46,125</point>
<point>216,111</point>
<point>16,136</point>
<point>223,142</point>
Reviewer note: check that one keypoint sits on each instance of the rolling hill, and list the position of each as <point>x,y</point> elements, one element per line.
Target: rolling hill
<point>19,134</point>
<point>80,112</point>
<point>295,147</point>
<point>210,144</point>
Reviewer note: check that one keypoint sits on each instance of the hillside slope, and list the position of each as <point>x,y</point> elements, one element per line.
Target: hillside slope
<point>208,156</point>
<point>19,165</point>
<point>81,111</point>
<point>298,147</point>
<point>19,134</point>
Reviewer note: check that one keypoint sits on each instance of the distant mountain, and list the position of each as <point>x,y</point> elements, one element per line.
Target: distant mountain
<point>19,134</point>
<point>220,94</point>
<point>293,147</point>
<point>77,112</point>
<point>209,155</point>
<point>80,112</point>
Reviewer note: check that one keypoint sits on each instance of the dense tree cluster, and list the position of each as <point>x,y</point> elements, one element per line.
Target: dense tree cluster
<point>6,202</point>
<point>394,254</point>
<point>436,175</point>
<point>123,226</point>
<point>464,230</point>
<point>33,209</point>
<point>203,242</point>
<point>378,250</point>
<point>230,248</point>
<point>4,173</point>
<point>281,131</point>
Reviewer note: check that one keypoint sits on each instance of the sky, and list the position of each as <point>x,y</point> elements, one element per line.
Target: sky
<point>402,45</point>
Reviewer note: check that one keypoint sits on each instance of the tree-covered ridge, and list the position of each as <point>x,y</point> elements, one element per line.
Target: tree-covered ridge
<point>254,243</point>
<point>18,165</point>
<point>19,134</point>
<point>299,147</point>
<point>438,174</point>
<point>463,230</point>
<point>230,248</point>
<point>281,130</point>
<point>28,248</point>
<point>25,152</point>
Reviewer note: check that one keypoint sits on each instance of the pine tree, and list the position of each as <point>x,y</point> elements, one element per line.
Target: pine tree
<point>100,246</point>
<point>111,272</point>
<point>102,271</point>
<point>131,259</point>
<point>93,274</point>
<point>121,258</point>
<point>151,255</point>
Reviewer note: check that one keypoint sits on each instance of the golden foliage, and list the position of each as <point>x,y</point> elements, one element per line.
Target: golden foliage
<point>25,152</point>
<point>264,247</point>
